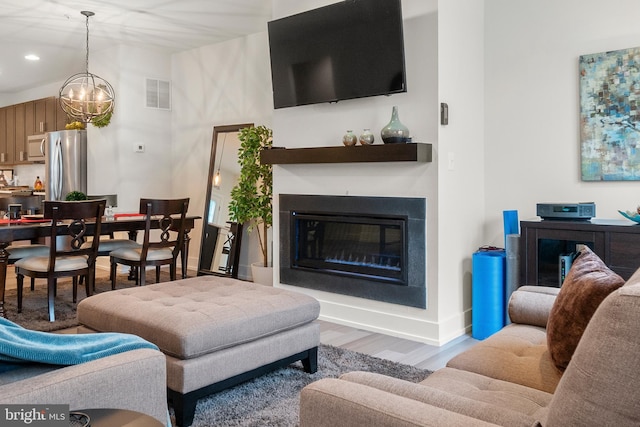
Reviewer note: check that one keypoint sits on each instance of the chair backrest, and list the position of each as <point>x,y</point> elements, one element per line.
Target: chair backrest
<point>600,385</point>
<point>76,221</point>
<point>171,214</point>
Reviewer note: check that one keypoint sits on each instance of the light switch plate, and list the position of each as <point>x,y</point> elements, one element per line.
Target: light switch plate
<point>138,148</point>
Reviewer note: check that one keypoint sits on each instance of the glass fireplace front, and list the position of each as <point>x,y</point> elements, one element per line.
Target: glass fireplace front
<point>357,246</point>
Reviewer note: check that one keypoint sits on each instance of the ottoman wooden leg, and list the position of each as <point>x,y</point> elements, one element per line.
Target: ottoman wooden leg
<point>310,363</point>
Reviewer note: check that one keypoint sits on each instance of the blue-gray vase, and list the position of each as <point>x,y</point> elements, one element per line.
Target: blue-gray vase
<point>395,132</point>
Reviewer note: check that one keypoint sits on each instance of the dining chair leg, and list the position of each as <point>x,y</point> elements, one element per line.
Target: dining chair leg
<point>33,284</point>
<point>75,289</point>
<point>157,274</point>
<point>19,284</point>
<point>51,286</point>
<point>112,274</point>
<point>142,276</point>
<point>90,282</point>
<point>172,271</point>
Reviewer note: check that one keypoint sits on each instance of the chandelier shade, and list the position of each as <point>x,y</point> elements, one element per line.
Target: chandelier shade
<point>86,97</point>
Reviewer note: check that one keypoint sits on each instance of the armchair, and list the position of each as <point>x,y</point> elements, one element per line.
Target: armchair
<point>507,380</point>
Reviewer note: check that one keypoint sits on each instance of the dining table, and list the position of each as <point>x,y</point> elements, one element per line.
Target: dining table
<point>37,229</point>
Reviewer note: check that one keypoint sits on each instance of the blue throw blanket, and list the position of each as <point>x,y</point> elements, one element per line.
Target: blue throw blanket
<point>19,345</point>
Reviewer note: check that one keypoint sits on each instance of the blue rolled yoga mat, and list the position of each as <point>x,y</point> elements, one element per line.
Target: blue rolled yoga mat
<point>487,293</point>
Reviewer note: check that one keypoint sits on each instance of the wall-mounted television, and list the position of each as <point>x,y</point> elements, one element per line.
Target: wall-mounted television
<point>351,49</point>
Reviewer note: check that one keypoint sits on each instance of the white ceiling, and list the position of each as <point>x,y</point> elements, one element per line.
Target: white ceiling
<point>56,32</point>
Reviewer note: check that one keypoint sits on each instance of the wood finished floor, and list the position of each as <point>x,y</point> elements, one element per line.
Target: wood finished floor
<point>399,350</point>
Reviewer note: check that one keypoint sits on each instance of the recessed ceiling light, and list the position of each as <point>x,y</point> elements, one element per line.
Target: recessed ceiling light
<point>32,57</point>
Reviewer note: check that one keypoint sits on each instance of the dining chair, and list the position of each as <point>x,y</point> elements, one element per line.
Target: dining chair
<point>67,257</point>
<point>155,250</point>
<point>17,250</point>
<point>108,242</point>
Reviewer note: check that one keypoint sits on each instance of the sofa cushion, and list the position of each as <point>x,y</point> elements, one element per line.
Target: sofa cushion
<point>531,305</point>
<point>517,354</point>
<point>466,393</point>
<point>588,282</point>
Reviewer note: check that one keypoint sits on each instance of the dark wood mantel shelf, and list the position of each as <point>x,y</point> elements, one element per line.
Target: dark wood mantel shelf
<point>413,152</point>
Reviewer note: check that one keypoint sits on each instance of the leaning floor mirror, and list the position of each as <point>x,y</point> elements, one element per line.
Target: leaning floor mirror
<point>221,238</point>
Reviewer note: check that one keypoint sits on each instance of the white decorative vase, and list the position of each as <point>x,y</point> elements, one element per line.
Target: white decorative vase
<point>262,275</point>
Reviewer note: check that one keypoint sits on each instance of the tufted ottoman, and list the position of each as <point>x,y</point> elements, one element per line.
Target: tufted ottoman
<point>215,332</point>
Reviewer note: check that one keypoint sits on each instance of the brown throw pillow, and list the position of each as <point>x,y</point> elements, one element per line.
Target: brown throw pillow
<point>587,284</point>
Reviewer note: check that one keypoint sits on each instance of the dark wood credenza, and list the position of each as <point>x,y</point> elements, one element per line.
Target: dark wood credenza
<point>616,242</point>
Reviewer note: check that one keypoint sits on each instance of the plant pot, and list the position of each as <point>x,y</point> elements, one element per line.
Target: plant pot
<point>261,274</point>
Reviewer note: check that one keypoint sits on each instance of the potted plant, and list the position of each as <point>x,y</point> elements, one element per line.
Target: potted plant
<point>251,197</point>
<point>75,196</point>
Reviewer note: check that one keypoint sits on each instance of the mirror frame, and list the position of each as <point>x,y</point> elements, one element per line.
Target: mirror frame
<point>235,228</point>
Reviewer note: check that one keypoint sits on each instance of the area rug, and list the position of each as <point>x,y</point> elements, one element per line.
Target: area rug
<point>35,315</point>
<point>273,399</point>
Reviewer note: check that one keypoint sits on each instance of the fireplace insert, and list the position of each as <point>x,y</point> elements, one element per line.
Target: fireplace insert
<point>368,247</point>
<point>351,245</point>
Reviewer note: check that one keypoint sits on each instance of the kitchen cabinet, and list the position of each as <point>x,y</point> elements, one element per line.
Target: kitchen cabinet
<point>20,121</point>
<point>20,138</point>
<point>7,148</point>
<point>41,116</point>
<point>30,118</point>
<point>3,132</point>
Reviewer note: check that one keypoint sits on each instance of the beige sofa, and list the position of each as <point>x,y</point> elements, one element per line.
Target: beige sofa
<point>134,380</point>
<point>509,379</point>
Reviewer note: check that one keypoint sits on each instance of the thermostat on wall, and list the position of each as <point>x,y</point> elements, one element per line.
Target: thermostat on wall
<point>582,211</point>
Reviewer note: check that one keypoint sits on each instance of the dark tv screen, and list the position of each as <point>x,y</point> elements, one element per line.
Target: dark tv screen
<point>351,49</point>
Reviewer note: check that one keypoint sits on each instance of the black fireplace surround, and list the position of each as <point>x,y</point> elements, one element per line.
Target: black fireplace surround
<point>367,247</point>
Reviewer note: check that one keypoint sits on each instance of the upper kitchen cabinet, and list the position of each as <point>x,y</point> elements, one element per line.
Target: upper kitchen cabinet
<point>8,135</point>
<point>20,121</point>
<point>42,116</point>
<point>20,132</point>
<point>3,133</point>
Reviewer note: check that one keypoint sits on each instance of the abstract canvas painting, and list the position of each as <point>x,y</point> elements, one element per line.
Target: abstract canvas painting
<point>609,115</point>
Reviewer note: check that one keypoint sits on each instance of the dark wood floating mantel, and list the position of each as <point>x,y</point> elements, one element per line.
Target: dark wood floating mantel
<point>413,152</point>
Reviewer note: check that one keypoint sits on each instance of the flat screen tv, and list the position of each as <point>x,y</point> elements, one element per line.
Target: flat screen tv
<point>351,49</point>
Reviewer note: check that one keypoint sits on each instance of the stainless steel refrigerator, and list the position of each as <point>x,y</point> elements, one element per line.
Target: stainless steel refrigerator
<point>65,159</point>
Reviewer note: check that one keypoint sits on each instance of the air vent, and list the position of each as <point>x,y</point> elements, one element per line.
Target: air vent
<point>158,94</point>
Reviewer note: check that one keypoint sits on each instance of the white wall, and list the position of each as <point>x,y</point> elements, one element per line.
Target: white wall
<point>461,185</point>
<point>39,92</point>
<point>532,103</point>
<point>114,167</point>
<point>324,124</point>
<point>222,84</point>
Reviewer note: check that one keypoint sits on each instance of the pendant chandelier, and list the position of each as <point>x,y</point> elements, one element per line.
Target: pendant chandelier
<point>86,97</point>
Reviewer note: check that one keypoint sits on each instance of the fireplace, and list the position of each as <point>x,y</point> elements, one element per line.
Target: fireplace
<point>367,247</point>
